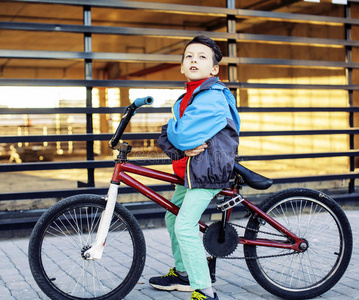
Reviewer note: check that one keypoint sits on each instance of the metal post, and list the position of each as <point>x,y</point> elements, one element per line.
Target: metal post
<point>88,76</point>
<point>232,50</point>
<point>349,75</point>
<point>232,44</point>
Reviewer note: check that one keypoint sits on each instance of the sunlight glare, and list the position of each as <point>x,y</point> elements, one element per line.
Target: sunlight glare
<point>36,97</point>
<point>162,97</point>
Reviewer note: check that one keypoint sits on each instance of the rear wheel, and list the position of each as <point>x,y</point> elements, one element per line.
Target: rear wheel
<point>314,217</point>
<point>66,231</point>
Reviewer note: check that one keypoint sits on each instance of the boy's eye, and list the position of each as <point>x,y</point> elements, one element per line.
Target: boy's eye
<point>203,56</point>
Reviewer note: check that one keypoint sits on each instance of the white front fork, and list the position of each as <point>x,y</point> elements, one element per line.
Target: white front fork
<point>96,250</point>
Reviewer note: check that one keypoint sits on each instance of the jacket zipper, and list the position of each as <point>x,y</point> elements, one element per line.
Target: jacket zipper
<point>188,176</point>
<point>174,116</point>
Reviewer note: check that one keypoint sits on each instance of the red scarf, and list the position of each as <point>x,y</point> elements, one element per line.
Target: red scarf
<point>179,166</point>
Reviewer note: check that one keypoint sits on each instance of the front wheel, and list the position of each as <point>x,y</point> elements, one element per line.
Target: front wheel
<point>319,220</point>
<point>66,231</point>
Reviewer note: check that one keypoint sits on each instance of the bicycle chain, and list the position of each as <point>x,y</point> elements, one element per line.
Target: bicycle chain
<point>257,257</point>
<point>256,230</point>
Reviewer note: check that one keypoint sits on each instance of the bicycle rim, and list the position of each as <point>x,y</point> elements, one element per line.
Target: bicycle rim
<point>307,274</point>
<point>64,241</point>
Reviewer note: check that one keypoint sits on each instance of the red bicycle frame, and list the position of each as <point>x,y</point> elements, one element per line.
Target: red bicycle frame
<point>120,175</point>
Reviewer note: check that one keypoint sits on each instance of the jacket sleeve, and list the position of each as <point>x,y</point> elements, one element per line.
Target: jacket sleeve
<point>203,118</point>
<point>167,147</point>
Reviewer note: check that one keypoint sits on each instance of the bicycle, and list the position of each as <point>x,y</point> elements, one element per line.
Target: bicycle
<point>297,242</point>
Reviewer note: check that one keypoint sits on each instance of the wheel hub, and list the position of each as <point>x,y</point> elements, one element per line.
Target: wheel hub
<point>83,250</point>
<point>303,246</point>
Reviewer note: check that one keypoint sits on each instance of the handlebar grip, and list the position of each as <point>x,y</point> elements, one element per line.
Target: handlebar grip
<point>143,101</point>
<point>129,112</point>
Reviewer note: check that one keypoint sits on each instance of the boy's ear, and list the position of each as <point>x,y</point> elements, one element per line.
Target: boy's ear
<point>215,70</point>
<point>182,71</point>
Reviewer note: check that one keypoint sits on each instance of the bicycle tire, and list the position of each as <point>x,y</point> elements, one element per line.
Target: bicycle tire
<point>65,231</point>
<point>311,215</point>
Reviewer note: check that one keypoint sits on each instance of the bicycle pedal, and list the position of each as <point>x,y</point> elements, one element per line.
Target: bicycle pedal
<point>230,203</point>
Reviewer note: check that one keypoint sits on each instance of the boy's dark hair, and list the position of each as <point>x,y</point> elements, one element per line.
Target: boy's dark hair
<point>201,39</point>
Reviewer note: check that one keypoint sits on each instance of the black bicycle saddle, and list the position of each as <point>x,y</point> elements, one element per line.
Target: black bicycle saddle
<point>253,179</point>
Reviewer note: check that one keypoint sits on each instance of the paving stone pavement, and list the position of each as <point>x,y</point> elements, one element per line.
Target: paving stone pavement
<point>233,279</point>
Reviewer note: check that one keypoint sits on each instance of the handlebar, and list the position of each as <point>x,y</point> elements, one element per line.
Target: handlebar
<point>129,112</point>
<point>143,101</point>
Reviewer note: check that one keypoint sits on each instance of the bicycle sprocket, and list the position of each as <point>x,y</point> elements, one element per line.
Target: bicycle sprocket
<point>217,248</point>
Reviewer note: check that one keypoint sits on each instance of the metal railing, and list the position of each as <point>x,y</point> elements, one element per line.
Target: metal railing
<point>231,15</point>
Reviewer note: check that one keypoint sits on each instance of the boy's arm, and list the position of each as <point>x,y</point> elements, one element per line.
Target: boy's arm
<point>167,147</point>
<point>203,119</point>
<point>196,151</point>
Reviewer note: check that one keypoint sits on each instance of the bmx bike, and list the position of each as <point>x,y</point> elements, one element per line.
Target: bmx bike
<point>297,243</point>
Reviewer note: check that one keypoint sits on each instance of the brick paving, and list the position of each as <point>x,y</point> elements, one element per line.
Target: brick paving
<point>233,279</point>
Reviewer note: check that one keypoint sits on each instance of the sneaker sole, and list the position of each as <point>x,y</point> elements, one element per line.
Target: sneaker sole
<point>178,287</point>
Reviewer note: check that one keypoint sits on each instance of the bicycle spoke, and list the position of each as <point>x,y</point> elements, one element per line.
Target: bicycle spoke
<point>76,230</point>
<point>318,220</point>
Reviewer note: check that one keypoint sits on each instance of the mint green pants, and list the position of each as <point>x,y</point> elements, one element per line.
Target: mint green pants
<point>187,246</point>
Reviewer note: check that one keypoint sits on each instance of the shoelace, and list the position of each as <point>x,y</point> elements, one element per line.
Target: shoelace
<point>198,296</point>
<point>171,273</point>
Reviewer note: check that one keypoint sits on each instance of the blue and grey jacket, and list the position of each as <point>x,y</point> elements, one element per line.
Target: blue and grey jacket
<point>211,116</point>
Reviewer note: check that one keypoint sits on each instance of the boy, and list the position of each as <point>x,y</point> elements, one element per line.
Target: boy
<point>201,139</point>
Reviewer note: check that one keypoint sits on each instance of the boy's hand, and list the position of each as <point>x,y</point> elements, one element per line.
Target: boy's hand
<point>196,150</point>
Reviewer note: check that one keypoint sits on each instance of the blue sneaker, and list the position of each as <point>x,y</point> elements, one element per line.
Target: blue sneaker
<point>198,295</point>
<point>172,281</point>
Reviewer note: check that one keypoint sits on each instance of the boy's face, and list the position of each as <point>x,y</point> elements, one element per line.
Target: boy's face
<point>198,62</point>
